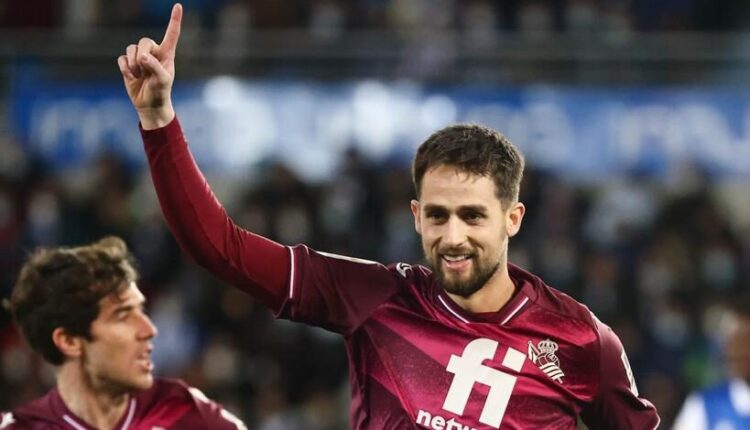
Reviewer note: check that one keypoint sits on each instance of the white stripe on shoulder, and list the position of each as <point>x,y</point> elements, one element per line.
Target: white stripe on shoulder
<point>658,422</point>
<point>515,311</point>
<point>73,422</point>
<point>451,310</point>
<point>347,258</point>
<point>291,272</point>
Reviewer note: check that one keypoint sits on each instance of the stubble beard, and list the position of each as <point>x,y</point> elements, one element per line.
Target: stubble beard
<point>103,382</point>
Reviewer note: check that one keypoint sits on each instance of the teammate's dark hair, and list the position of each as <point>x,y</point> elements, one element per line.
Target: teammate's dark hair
<point>473,149</point>
<point>62,287</point>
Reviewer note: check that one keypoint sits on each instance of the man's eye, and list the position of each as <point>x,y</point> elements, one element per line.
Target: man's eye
<point>474,217</point>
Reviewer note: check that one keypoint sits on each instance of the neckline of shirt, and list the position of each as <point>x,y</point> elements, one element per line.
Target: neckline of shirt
<point>517,303</point>
<point>77,423</point>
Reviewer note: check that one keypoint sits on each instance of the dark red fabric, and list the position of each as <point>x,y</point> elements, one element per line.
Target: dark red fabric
<point>202,227</point>
<point>411,349</point>
<point>168,404</point>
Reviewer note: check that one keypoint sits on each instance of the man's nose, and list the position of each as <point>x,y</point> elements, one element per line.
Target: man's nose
<point>148,329</point>
<point>454,233</point>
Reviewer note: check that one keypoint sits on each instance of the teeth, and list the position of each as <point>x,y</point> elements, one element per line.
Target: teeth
<point>455,257</point>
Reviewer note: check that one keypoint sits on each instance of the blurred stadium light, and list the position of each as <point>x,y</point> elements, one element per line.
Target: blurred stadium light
<point>582,133</point>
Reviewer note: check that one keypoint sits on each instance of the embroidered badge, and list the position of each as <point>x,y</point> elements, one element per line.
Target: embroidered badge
<point>543,355</point>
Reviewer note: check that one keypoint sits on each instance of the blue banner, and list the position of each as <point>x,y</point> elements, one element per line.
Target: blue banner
<point>233,124</point>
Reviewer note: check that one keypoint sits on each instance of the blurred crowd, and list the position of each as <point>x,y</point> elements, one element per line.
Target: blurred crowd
<point>332,17</point>
<point>656,259</point>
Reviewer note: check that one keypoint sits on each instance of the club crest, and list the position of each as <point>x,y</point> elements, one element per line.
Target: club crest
<point>543,355</point>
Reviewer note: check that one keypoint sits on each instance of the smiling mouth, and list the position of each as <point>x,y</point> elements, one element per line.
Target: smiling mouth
<point>456,258</point>
<point>456,262</point>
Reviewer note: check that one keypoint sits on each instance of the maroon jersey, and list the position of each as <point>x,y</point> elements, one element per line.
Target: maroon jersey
<point>416,359</point>
<point>168,404</point>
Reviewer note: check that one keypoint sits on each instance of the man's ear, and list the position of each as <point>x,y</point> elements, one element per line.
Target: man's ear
<point>514,217</point>
<point>69,345</point>
<point>415,210</point>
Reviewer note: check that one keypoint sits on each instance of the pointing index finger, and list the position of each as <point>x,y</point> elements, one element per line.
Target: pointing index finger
<point>169,43</point>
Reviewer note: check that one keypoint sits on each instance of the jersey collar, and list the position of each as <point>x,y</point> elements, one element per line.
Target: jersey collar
<point>520,300</point>
<point>61,410</point>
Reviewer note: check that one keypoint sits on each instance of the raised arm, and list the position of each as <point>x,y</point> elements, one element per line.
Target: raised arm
<point>196,218</point>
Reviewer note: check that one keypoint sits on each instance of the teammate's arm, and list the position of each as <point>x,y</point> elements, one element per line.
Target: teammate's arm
<point>213,416</point>
<point>617,405</point>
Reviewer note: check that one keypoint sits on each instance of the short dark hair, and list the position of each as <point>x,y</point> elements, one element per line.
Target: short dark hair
<point>474,149</point>
<point>62,287</point>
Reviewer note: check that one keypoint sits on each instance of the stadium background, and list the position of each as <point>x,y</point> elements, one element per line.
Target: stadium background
<point>633,115</point>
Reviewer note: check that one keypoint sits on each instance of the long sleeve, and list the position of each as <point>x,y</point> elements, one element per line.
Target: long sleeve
<point>202,227</point>
<point>617,405</point>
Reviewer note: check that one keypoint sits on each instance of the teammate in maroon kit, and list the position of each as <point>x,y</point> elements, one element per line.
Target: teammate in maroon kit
<point>81,310</point>
<point>474,343</point>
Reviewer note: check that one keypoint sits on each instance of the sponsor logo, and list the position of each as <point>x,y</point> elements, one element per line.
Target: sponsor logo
<point>437,422</point>
<point>468,370</point>
<point>543,355</point>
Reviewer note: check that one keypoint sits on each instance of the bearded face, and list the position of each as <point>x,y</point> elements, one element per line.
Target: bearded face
<point>464,228</point>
